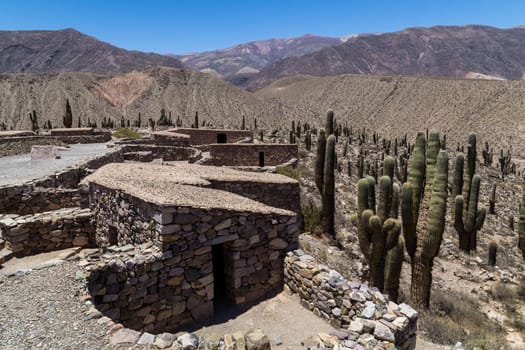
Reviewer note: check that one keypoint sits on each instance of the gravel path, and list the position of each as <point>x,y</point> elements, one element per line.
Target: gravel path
<point>42,310</point>
<point>20,168</point>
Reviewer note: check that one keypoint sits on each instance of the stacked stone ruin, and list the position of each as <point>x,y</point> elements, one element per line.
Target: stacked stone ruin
<point>158,230</point>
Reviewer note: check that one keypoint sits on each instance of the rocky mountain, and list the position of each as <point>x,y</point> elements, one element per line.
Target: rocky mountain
<point>448,51</point>
<point>180,92</point>
<point>394,106</point>
<point>68,50</point>
<point>237,63</point>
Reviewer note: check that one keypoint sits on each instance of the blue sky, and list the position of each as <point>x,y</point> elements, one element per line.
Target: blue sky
<point>180,26</point>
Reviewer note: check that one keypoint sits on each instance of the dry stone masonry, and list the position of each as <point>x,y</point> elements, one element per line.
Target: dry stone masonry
<point>195,246</point>
<point>252,154</point>
<point>47,231</point>
<point>366,316</point>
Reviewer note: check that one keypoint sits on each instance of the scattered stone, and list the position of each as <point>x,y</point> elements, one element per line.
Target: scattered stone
<point>256,340</point>
<point>124,336</point>
<point>164,340</point>
<point>188,341</point>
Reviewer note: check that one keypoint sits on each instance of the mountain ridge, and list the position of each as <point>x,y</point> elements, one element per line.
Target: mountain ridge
<point>68,50</point>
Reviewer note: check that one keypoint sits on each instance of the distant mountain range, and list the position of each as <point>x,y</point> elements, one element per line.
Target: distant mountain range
<point>44,51</point>
<point>237,63</point>
<point>466,51</point>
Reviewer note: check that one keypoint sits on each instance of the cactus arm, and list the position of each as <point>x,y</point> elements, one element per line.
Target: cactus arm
<point>394,263</point>
<point>470,222</point>
<point>409,221</point>
<point>480,217</point>
<point>438,206</point>
<point>416,177</point>
<point>319,160</point>
<point>371,193</point>
<point>388,165</point>
<point>329,186</point>
<point>391,229</point>
<point>394,208</point>
<point>385,193</point>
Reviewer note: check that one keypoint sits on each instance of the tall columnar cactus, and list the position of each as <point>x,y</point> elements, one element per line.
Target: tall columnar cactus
<point>67,119</point>
<point>329,126</point>
<point>493,251</point>
<point>492,200</point>
<point>196,121</point>
<point>378,231</point>
<point>521,225</point>
<point>34,121</point>
<point>467,217</point>
<point>328,195</point>
<point>319,160</point>
<point>425,192</point>
<point>308,140</point>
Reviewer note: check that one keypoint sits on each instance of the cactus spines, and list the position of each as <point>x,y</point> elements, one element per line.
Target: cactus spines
<point>423,238</point>
<point>467,217</point>
<point>329,186</point>
<point>329,127</point>
<point>319,160</point>
<point>492,200</point>
<point>493,251</point>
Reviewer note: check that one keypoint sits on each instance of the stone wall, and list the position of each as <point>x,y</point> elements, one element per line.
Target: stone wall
<point>279,195</point>
<point>169,282</point>
<point>71,131</point>
<point>27,199</point>
<point>250,154</point>
<point>364,313</point>
<point>166,138</point>
<point>47,231</point>
<point>12,145</point>
<point>209,136</point>
<point>167,153</point>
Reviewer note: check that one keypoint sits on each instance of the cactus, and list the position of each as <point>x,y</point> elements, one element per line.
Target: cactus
<point>329,186</point>
<point>505,163</point>
<point>319,160</point>
<point>329,124</point>
<point>493,250</point>
<point>243,123</point>
<point>467,218</point>
<point>425,192</point>
<point>394,263</point>
<point>34,121</point>
<point>492,200</point>
<point>196,121</point>
<point>511,223</point>
<point>308,140</point>
<point>67,119</point>
<point>487,155</point>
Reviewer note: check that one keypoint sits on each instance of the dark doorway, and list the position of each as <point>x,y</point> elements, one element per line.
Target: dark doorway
<point>112,235</point>
<point>219,276</point>
<point>221,138</point>
<point>261,159</point>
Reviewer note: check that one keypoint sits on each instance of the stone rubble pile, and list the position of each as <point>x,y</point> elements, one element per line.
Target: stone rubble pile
<point>366,317</point>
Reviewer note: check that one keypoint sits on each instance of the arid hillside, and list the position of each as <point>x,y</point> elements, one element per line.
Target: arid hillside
<point>43,51</point>
<point>445,51</point>
<point>495,110</point>
<point>180,92</point>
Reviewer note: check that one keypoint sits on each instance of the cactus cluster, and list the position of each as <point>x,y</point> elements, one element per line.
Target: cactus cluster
<point>34,121</point>
<point>425,192</point>
<point>466,215</point>
<point>379,228</point>
<point>488,155</point>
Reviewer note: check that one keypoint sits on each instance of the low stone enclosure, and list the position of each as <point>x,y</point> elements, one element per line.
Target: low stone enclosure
<point>20,142</point>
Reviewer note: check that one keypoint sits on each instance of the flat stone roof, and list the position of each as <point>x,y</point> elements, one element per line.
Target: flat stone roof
<point>7,133</point>
<point>183,185</point>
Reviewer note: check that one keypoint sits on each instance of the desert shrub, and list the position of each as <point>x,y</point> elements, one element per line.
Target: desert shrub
<point>311,218</point>
<point>457,317</point>
<point>503,293</point>
<point>126,133</point>
<point>288,171</point>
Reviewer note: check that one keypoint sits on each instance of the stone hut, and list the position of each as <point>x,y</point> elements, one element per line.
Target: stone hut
<point>198,237</point>
<point>269,154</point>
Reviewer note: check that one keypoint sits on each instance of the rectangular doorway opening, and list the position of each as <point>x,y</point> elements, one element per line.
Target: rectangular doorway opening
<point>112,235</point>
<point>219,276</point>
<point>261,159</point>
<point>221,138</point>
